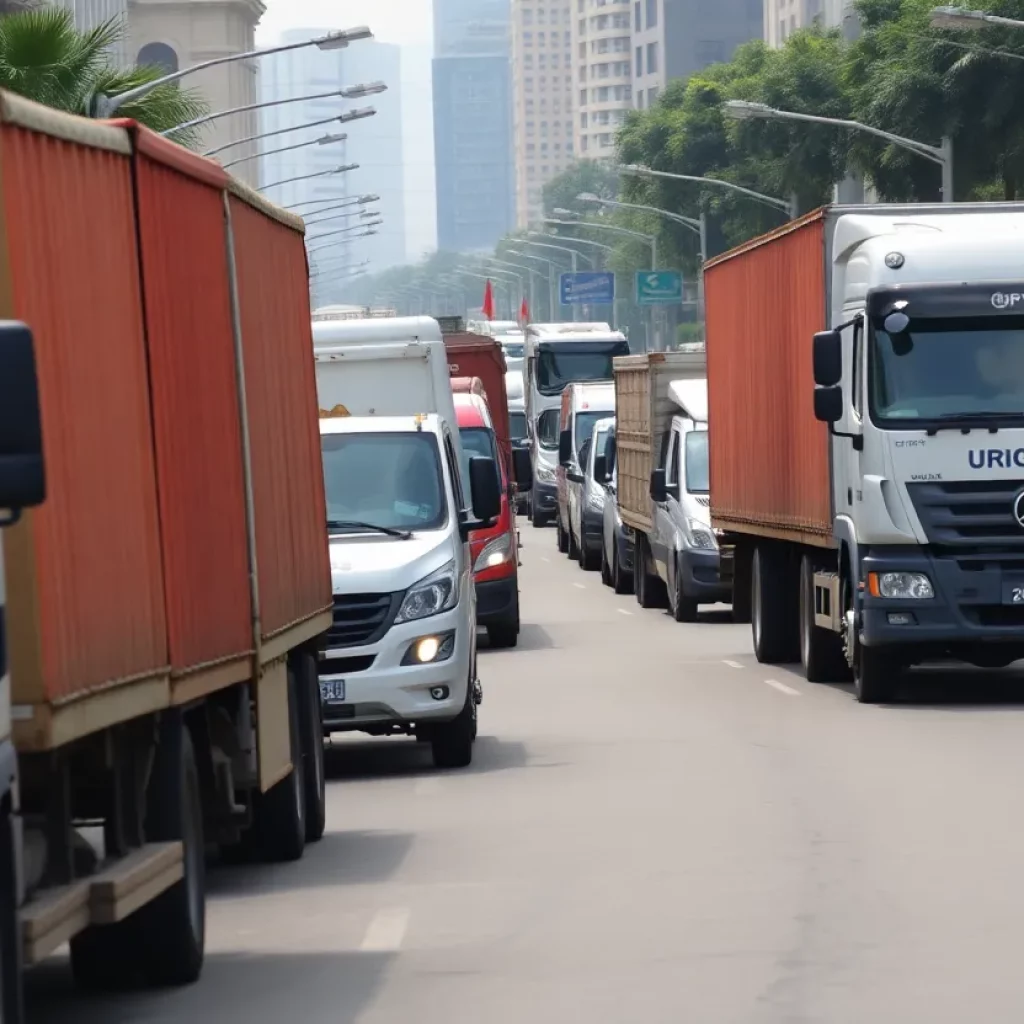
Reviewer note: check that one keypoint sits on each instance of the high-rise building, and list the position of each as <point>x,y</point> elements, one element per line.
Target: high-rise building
<point>603,87</point>
<point>374,143</point>
<point>542,93</point>
<point>91,13</point>
<point>175,34</point>
<point>472,123</point>
<point>783,17</point>
<point>674,38</point>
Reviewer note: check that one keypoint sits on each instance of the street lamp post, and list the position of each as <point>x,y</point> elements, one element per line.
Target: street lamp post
<point>267,135</point>
<point>961,18</point>
<point>324,140</point>
<point>340,231</point>
<point>342,216</point>
<point>351,201</point>
<point>941,154</point>
<point>552,285</point>
<point>646,172</point>
<point>508,275</point>
<point>107,106</point>
<point>316,174</point>
<point>530,271</point>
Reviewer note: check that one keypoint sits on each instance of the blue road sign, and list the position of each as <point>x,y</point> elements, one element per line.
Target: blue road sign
<point>659,287</point>
<point>595,288</point>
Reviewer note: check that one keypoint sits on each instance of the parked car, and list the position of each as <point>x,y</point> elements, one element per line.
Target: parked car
<point>586,497</point>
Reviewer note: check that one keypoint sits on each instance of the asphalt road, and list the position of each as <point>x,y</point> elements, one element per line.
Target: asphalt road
<point>654,829</point>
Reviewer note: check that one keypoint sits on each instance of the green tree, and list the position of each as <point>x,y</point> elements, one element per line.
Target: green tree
<point>582,176</point>
<point>45,58</point>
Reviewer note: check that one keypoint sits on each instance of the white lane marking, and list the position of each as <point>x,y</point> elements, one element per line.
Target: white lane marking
<point>733,664</point>
<point>622,611</point>
<point>581,586</point>
<point>544,558</point>
<point>386,931</point>
<point>782,688</point>
<point>427,787</point>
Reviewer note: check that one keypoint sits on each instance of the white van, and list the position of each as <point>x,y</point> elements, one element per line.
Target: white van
<point>401,503</point>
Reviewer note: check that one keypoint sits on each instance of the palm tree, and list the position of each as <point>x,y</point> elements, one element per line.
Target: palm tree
<point>45,58</point>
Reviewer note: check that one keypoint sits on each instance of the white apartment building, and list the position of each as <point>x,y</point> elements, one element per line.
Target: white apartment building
<point>542,99</point>
<point>783,17</point>
<point>603,62</point>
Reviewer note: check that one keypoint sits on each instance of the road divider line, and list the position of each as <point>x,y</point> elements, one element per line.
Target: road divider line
<point>579,586</point>
<point>732,664</point>
<point>544,558</point>
<point>782,688</point>
<point>623,611</point>
<point>386,930</point>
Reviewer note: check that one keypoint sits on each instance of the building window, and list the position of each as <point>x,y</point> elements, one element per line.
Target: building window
<point>528,61</point>
<point>652,13</point>
<point>158,55</point>
<point>583,97</point>
<point>541,39</point>
<point>637,26</point>
<point>527,39</point>
<point>639,61</point>
<point>527,16</point>
<point>652,96</point>
<point>583,120</point>
<point>639,99</point>
<point>652,58</point>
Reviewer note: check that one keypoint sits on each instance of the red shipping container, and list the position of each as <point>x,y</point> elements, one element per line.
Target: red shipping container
<point>768,454</point>
<point>280,386</point>
<point>475,355</point>
<point>85,581</point>
<point>186,285</point>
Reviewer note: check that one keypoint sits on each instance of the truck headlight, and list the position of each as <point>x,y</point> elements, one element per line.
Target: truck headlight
<point>701,535</point>
<point>906,586</point>
<point>495,552</point>
<point>545,474</point>
<point>433,594</point>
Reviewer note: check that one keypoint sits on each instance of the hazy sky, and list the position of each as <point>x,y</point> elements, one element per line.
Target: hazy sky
<point>408,23</point>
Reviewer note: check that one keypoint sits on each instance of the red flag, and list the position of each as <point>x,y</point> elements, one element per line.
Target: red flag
<point>488,306</point>
<point>524,313</point>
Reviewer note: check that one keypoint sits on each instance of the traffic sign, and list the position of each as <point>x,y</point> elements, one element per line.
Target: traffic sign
<point>659,287</point>
<point>588,287</point>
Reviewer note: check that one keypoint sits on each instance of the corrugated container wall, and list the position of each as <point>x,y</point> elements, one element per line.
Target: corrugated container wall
<point>768,454</point>
<point>86,584</point>
<point>474,355</point>
<point>195,403</point>
<point>287,473</point>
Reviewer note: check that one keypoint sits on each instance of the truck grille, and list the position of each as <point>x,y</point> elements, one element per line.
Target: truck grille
<point>972,522</point>
<point>361,619</point>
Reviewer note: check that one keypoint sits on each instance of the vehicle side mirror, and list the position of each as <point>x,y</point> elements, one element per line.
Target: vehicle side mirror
<point>601,469</point>
<point>22,475</point>
<point>828,404</point>
<point>659,492</point>
<point>522,468</point>
<point>828,358</point>
<point>565,448</point>
<point>485,486</point>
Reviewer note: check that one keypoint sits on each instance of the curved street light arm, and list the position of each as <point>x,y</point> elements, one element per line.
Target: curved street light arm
<point>646,172</point>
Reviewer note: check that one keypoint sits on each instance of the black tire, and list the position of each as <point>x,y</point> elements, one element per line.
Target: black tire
<point>281,811</point>
<point>821,650</point>
<point>165,940</point>
<point>622,581</point>
<point>307,680</point>
<point>590,560</point>
<point>742,587</point>
<point>505,634</point>
<point>606,570</point>
<point>573,551</point>
<point>12,1001</point>
<point>876,675</point>
<point>537,517</point>
<point>560,537</point>
<point>451,743</point>
<point>683,608</point>
<point>650,590</point>
<point>774,624</point>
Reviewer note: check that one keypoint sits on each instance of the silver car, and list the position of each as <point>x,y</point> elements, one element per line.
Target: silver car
<point>616,540</point>
<point>586,497</point>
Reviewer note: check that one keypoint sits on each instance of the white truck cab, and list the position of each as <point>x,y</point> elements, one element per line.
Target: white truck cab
<point>401,654</point>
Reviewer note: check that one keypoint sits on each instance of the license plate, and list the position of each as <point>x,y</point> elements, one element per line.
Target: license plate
<point>332,690</point>
<point>1013,592</point>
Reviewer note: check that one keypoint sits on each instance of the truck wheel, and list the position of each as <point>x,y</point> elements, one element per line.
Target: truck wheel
<point>12,1002</point>
<point>505,634</point>
<point>281,811</point>
<point>560,536</point>
<point>821,650</point>
<point>451,743</point>
<point>573,550</point>
<point>683,608</point>
<point>606,570</point>
<point>650,590</point>
<point>774,627</point>
<point>537,517</point>
<point>589,558</point>
<point>876,675</point>
<point>742,604</point>
<point>312,723</point>
<point>622,581</point>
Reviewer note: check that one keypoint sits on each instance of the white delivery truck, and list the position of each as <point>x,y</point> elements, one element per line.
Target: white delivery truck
<point>401,503</point>
<point>661,409</point>
<point>556,355</point>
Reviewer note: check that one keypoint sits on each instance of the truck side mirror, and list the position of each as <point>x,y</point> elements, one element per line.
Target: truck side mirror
<point>522,468</point>
<point>22,476</point>
<point>828,404</point>
<point>659,491</point>
<point>828,358</point>
<point>485,487</point>
<point>565,448</point>
<point>601,468</point>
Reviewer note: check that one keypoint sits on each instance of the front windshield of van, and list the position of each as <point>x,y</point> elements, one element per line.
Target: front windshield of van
<point>387,480</point>
<point>695,458</point>
<point>559,363</point>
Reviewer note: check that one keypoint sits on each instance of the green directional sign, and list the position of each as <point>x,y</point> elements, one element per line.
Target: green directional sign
<point>659,287</point>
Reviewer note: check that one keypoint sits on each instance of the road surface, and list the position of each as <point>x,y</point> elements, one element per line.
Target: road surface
<point>654,829</point>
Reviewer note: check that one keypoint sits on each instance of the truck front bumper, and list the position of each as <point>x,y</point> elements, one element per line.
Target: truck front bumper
<point>544,498</point>
<point>972,607</point>
<point>701,576</point>
<point>496,600</point>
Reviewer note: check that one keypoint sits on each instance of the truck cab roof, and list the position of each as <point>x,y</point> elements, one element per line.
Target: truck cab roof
<point>342,424</point>
<point>374,331</point>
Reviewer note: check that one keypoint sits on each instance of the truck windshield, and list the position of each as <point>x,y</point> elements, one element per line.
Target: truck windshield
<point>942,369</point>
<point>547,429</point>
<point>695,459</point>
<point>585,427</point>
<point>561,362</point>
<point>390,480</point>
<point>517,425</point>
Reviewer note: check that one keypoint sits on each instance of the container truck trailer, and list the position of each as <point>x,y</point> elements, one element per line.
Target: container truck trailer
<point>166,604</point>
<point>866,385</point>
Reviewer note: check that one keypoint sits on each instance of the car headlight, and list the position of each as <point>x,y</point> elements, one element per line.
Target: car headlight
<point>701,535</point>
<point>910,586</point>
<point>433,594</point>
<point>545,474</point>
<point>495,552</point>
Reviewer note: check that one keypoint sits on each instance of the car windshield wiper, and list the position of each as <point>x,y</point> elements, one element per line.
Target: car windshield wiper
<point>966,420</point>
<point>356,524</point>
